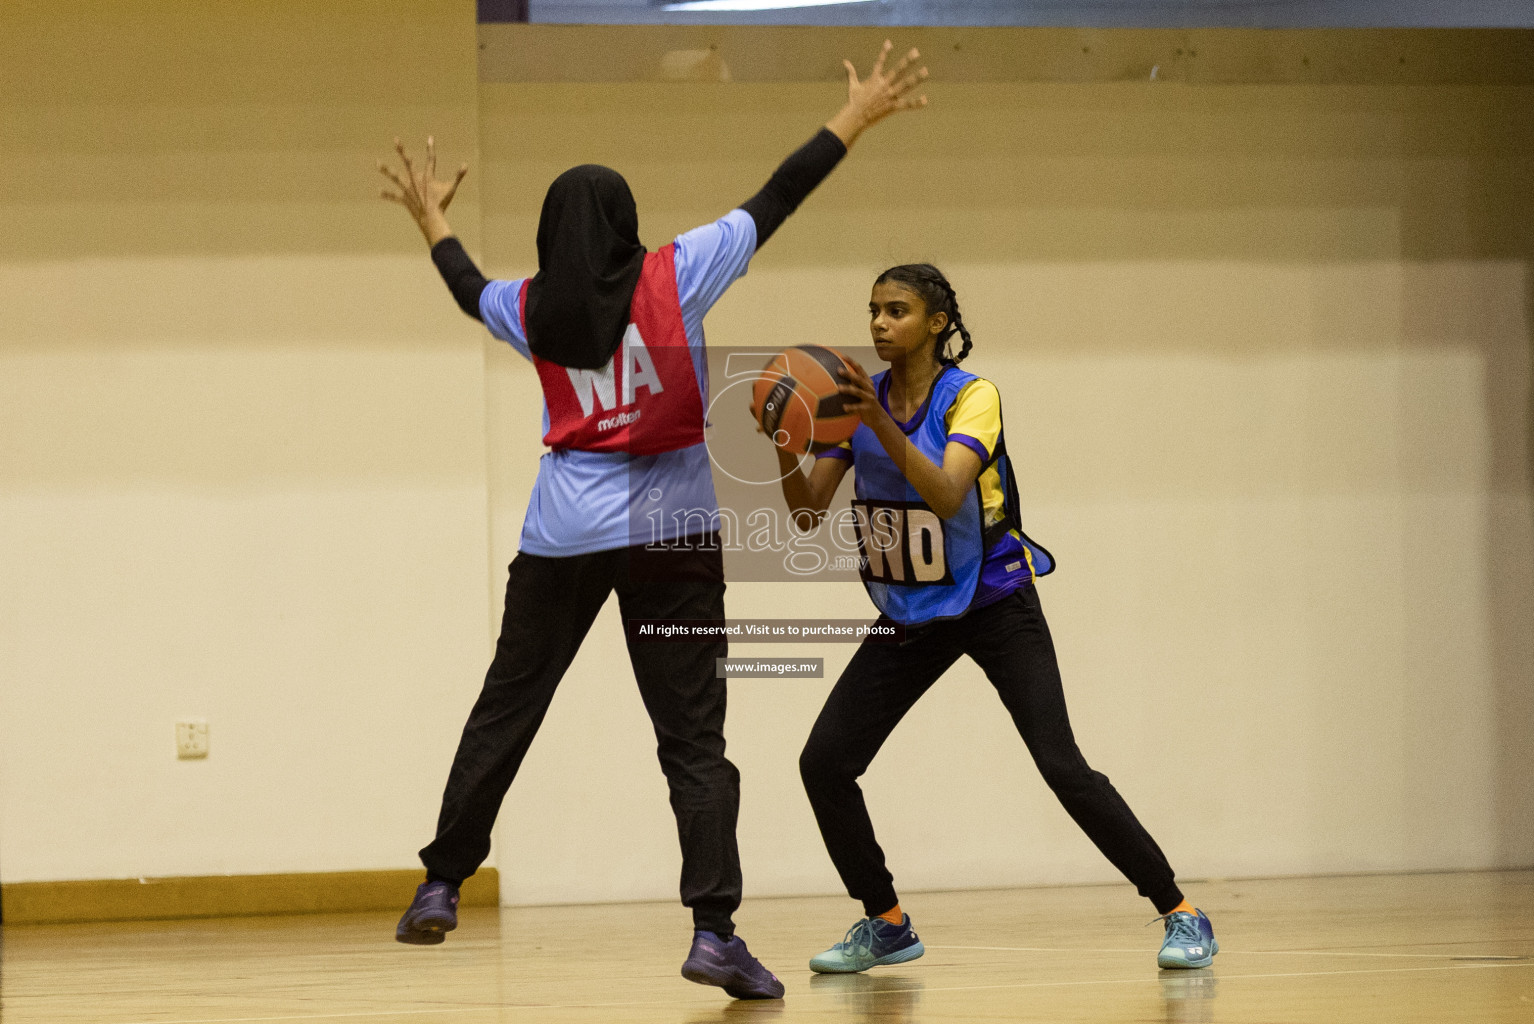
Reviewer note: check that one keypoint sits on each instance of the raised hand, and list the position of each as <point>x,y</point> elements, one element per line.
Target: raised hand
<point>424,197</point>
<point>885,90</point>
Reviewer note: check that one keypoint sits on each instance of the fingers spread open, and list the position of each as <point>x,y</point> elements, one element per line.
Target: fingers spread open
<point>911,81</point>
<point>905,62</point>
<point>883,53</point>
<point>388,172</point>
<point>452,189</point>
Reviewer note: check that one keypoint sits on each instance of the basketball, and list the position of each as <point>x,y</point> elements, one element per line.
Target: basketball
<point>797,401</point>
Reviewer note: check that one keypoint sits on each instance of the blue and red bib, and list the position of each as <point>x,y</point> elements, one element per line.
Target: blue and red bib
<point>647,400</point>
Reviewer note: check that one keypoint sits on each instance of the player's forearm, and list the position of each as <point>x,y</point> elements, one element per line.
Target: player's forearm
<point>934,485</point>
<point>434,226</point>
<point>795,178</point>
<point>803,507</point>
<point>848,124</point>
<point>460,274</point>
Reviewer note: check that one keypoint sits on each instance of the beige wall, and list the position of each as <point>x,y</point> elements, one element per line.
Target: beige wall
<point>1265,357</point>
<point>1266,349</point>
<point>241,439</point>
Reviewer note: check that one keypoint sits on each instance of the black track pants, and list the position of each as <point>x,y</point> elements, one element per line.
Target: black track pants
<point>1010,641</point>
<point>550,604</point>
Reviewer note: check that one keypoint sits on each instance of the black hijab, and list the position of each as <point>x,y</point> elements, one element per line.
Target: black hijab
<point>589,258</point>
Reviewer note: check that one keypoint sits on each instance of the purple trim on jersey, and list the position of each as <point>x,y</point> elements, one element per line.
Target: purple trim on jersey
<point>996,580</point>
<point>882,389</point>
<point>835,453</point>
<point>973,444</point>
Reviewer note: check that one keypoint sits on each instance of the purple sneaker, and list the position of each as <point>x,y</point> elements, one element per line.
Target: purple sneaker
<point>433,912</point>
<point>730,965</point>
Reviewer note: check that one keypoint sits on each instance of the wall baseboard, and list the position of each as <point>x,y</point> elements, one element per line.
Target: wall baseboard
<point>149,899</point>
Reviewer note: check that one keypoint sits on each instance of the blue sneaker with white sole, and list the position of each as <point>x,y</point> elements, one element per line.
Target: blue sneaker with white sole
<point>1189,941</point>
<point>872,942</point>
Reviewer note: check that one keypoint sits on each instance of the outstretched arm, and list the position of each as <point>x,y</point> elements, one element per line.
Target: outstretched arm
<point>426,200</point>
<point>869,101</point>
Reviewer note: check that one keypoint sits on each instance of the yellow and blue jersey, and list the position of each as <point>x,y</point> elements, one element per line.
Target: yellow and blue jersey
<point>986,555</point>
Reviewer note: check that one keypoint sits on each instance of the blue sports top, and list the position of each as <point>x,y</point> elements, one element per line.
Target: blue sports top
<point>587,501</point>
<point>917,566</point>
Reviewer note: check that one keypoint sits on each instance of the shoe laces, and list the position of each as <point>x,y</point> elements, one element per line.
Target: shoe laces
<point>1181,927</point>
<point>860,936</point>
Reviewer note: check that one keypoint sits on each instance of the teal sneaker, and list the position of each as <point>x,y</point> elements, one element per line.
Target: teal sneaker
<point>872,942</point>
<point>1189,941</point>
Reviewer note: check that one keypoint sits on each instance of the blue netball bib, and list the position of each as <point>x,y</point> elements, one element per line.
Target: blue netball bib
<point>916,565</point>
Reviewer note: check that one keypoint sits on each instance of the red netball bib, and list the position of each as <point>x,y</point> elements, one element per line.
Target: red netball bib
<point>646,400</point>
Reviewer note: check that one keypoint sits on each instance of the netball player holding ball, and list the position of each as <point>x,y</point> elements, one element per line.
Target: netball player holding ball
<point>937,518</point>
<point>615,334</point>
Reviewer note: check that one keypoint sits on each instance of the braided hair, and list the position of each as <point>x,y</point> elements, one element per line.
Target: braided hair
<point>928,282</point>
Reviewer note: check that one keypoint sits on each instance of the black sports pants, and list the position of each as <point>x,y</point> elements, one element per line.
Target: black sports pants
<point>550,604</point>
<point>1010,641</point>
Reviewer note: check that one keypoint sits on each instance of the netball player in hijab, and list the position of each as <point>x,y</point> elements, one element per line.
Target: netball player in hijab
<point>615,334</point>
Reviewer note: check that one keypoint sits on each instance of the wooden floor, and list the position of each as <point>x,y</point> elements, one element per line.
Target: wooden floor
<point>1396,949</point>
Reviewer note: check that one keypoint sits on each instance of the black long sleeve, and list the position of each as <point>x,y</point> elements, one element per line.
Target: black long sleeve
<point>794,179</point>
<point>463,278</point>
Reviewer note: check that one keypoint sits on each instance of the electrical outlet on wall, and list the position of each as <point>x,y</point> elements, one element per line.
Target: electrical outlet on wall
<point>191,740</point>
